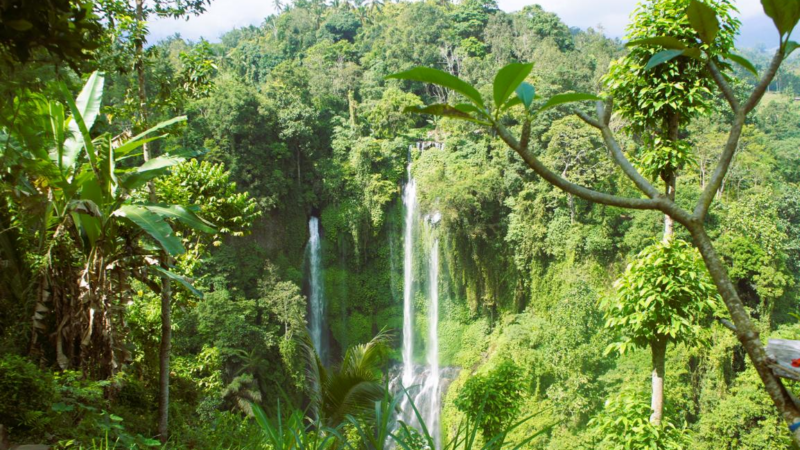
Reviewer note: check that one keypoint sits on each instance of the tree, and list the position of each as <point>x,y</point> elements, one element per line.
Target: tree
<point>352,388</point>
<point>664,296</point>
<point>92,214</point>
<point>492,400</point>
<point>133,18</point>
<point>67,29</point>
<point>510,80</point>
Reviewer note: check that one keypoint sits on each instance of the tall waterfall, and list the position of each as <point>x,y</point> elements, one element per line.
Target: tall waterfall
<point>410,201</point>
<point>425,382</point>
<point>316,310</point>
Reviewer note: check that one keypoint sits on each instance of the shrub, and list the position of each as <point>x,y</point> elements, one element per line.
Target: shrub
<point>26,393</point>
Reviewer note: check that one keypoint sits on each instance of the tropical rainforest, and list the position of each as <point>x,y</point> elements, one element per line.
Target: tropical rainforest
<point>377,225</point>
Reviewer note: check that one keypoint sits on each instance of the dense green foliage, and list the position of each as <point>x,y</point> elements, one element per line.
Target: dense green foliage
<point>296,118</point>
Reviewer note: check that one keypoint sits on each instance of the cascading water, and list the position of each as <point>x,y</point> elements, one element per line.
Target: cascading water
<point>316,310</point>
<point>425,381</point>
<point>410,201</point>
<point>432,383</point>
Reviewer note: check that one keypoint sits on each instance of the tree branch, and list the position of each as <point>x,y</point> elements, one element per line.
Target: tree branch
<point>761,87</point>
<point>723,85</point>
<point>574,189</point>
<point>704,202</point>
<point>616,150</point>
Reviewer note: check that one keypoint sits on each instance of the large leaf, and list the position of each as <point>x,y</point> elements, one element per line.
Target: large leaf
<point>662,41</point>
<point>438,77</point>
<point>68,159</point>
<point>134,142</point>
<point>149,170</point>
<point>443,110</point>
<point>526,93</point>
<point>662,57</point>
<point>561,99</point>
<point>784,13</point>
<point>704,20</point>
<point>508,79</point>
<point>184,215</point>
<point>180,279</point>
<point>744,62</point>
<point>154,225</point>
<point>87,106</point>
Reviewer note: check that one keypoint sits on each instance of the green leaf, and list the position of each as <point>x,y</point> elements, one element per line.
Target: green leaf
<point>19,25</point>
<point>184,215</point>
<point>704,20</point>
<point>561,99</point>
<point>662,57</point>
<point>791,46</point>
<point>149,170</point>
<point>507,80</point>
<point>154,225</point>
<point>443,110</point>
<point>784,13</point>
<point>133,143</point>
<point>527,93</point>
<point>744,62</point>
<point>694,53</point>
<point>438,77</point>
<point>180,279</point>
<point>85,108</point>
<point>662,41</point>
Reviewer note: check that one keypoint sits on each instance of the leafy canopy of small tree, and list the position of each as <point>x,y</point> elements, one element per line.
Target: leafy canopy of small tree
<point>665,293</point>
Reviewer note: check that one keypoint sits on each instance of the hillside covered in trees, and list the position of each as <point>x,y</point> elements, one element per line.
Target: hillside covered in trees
<point>412,225</point>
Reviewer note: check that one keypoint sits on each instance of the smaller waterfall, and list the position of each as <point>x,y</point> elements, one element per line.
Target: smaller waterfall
<point>316,311</point>
<point>433,382</point>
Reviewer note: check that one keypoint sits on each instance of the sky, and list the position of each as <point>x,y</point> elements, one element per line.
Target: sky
<point>612,15</point>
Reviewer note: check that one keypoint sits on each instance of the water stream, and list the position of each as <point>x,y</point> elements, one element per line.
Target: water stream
<point>316,307</point>
<point>423,381</point>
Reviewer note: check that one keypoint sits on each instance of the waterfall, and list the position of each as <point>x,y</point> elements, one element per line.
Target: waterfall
<point>316,310</point>
<point>410,201</point>
<point>432,383</point>
<point>425,381</point>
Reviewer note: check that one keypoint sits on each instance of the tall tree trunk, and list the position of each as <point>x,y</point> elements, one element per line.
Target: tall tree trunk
<point>166,291</point>
<point>658,348</point>
<point>164,354</point>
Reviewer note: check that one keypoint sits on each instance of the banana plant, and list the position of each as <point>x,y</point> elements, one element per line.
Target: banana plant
<point>91,201</point>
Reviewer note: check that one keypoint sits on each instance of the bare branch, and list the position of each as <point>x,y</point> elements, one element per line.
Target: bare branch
<point>574,189</point>
<point>585,117</point>
<point>723,85</point>
<point>704,202</point>
<point>761,87</point>
<point>616,151</point>
<point>727,324</point>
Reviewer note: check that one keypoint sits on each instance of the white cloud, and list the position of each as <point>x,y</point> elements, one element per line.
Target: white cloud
<point>220,16</point>
<point>612,15</point>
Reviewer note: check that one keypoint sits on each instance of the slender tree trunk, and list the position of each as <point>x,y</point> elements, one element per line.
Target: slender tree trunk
<point>164,354</point>
<point>166,291</point>
<point>658,348</point>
